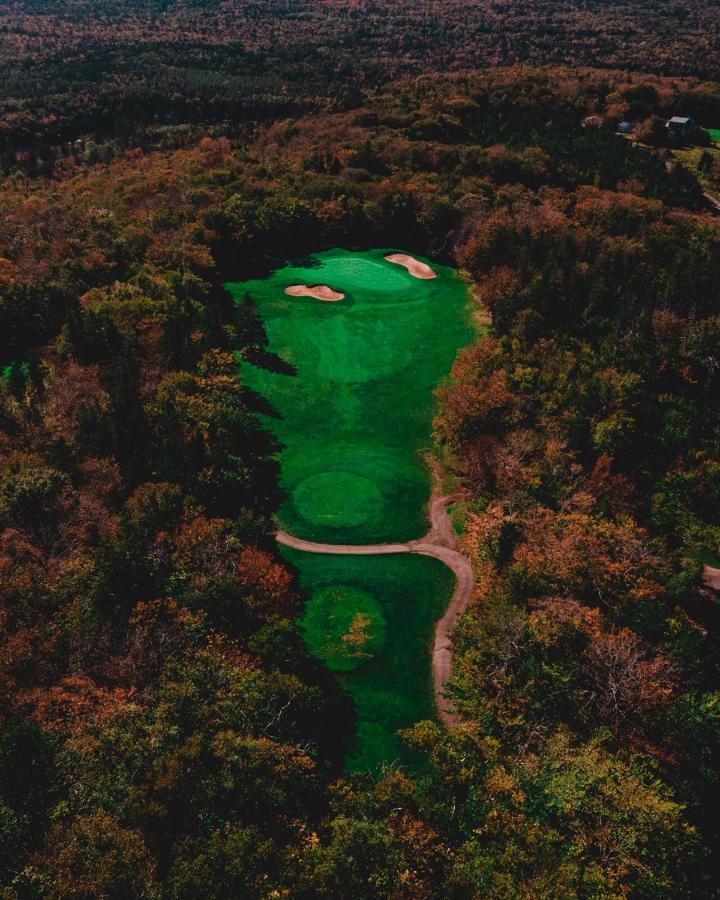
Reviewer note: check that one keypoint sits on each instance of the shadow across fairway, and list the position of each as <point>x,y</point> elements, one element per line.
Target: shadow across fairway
<point>259,404</point>
<point>310,261</point>
<point>266,359</point>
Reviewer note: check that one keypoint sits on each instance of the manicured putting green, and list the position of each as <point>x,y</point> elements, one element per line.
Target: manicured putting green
<point>371,619</point>
<point>359,407</point>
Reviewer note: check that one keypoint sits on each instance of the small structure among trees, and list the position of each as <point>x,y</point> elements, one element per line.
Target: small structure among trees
<point>680,130</point>
<point>682,126</point>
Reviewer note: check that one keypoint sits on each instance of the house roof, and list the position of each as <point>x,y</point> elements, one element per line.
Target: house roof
<point>680,120</point>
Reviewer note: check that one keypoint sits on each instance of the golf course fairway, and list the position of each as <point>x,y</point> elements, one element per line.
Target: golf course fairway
<point>354,403</point>
<point>383,663</point>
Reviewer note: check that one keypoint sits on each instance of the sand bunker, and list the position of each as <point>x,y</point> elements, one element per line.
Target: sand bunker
<point>317,291</point>
<point>414,266</point>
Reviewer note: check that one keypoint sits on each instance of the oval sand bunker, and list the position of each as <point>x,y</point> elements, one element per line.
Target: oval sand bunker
<point>317,291</point>
<point>416,268</point>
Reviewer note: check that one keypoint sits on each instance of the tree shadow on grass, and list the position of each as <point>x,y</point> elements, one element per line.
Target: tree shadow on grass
<point>258,404</point>
<point>266,359</point>
<point>305,262</point>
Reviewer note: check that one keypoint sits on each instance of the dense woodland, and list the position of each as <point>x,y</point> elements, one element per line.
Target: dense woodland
<point>163,730</point>
<point>119,69</point>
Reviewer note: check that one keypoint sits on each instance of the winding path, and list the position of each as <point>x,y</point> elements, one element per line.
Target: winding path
<point>440,542</point>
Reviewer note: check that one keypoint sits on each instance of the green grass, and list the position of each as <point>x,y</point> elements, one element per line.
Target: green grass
<point>391,683</point>
<point>7,369</point>
<point>344,627</point>
<point>714,133</point>
<point>355,423</point>
<point>355,418</point>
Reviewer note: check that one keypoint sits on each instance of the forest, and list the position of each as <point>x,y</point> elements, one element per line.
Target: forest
<point>124,70</point>
<point>164,730</point>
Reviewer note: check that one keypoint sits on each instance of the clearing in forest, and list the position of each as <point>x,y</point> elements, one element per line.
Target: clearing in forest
<point>354,397</point>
